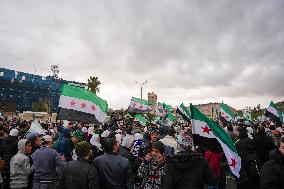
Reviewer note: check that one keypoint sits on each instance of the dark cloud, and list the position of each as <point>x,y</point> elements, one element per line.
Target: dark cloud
<point>201,50</point>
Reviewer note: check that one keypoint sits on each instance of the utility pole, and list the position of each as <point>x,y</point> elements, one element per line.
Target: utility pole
<point>141,88</point>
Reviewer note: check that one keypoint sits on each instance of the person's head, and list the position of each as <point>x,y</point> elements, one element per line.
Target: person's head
<point>281,146</point>
<point>83,150</point>
<point>171,132</point>
<point>153,136</point>
<point>95,139</point>
<point>157,148</point>
<point>34,139</point>
<point>46,141</point>
<point>111,145</point>
<point>14,133</point>
<point>25,146</point>
<point>184,141</point>
<point>77,136</point>
<point>261,130</point>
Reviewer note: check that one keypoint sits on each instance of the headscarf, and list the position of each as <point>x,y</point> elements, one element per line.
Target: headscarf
<point>184,142</point>
<point>84,129</point>
<point>94,141</point>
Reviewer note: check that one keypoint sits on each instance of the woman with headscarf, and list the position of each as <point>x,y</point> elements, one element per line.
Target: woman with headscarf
<point>96,146</point>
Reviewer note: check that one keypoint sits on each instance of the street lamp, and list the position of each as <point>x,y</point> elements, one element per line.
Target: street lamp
<point>141,86</point>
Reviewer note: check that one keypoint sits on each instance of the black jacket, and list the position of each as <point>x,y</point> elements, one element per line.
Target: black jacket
<point>114,172</point>
<point>249,174</point>
<point>187,170</point>
<point>79,174</point>
<point>263,145</point>
<point>272,173</point>
<point>9,148</point>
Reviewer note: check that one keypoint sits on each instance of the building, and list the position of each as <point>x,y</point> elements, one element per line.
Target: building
<point>152,97</point>
<point>19,90</point>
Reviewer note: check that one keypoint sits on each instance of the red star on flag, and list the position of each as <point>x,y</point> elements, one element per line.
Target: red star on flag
<point>234,163</point>
<point>206,129</point>
<point>134,104</point>
<point>93,107</point>
<point>72,103</point>
<point>83,105</point>
<point>141,107</point>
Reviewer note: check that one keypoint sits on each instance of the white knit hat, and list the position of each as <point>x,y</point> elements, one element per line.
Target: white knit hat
<point>14,132</point>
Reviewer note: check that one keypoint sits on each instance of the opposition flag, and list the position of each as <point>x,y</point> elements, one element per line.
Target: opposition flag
<point>183,112</point>
<point>142,120</point>
<point>226,113</point>
<point>274,114</point>
<point>139,105</point>
<point>78,104</point>
<point>212,137</point>
<point>160,111</point>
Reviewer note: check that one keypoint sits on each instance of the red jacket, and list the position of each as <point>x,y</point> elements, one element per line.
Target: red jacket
<point>214,161</point>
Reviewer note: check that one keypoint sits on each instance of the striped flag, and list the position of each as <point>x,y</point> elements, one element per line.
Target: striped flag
<point>210,136</point>
<point>274,114</point>
<point>141,119</point>
<point>183,112</point>
<point>226,113</point>
<point>139,105</point>
<point>78,104</point>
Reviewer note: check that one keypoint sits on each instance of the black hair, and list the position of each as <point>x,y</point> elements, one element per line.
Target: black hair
<point>82,149</point>
<point>108,143</point>
<point>159,146</point>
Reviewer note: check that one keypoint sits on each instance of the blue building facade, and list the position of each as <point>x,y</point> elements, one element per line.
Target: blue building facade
<point>21,90</point>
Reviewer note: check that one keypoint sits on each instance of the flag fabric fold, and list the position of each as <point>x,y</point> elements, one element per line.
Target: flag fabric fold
<point>183,112</point>
<point>78,104</point>
<point>274,114</point>
<point>139,105</point>
<point>141,119</point>
<point>226,114</point>
<point>210,136</point>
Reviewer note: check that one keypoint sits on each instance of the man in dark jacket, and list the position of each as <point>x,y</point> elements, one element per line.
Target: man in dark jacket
<point>114,170</point>
<point>263,145</point>
<point>45,162</point>
<point>187,169</point>
<point>249,174</point>
<point>272,173</point>
<point>66,146</point>
<point>79,174</point>
<point>9,148</point>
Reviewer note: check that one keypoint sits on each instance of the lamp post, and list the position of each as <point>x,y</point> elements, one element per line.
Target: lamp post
<point>141,87</point>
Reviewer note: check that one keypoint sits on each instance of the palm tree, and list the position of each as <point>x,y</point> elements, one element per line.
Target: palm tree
<point>93,84</point>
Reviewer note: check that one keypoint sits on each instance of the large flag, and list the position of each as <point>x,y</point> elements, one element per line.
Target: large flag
<point>78,104</point>
<point>226,113</point>
<point>274,114</point>
<point>139,105</point>
<point>210,136</point>
<point>141,119</point>
<point>183,112</point>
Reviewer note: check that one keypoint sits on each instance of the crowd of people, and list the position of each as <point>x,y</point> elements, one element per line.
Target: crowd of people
<point>123,155</point>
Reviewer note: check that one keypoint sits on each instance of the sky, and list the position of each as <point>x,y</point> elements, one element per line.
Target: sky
<point>190,51</point>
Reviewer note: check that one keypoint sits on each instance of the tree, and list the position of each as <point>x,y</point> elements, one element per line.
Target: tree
<point>93,84</point>
<point>39,106</point>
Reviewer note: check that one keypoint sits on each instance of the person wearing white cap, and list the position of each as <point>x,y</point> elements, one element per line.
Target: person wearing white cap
<point>45,173</point>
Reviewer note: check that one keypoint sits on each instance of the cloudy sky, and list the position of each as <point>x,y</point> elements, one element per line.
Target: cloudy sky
<point>195,51</point>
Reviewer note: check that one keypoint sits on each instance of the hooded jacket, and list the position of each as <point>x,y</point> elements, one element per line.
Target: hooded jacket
<point>187,170</point>
<point>8,150</point>
<point>66,147</point>
<point>20,167</point>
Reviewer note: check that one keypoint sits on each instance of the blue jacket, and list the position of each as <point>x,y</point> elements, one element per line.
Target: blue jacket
<point>114,172</point>
<point>45,161</point>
